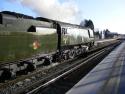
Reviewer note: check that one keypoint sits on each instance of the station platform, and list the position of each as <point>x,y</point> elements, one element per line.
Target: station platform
<point>102,41</point>
<point>108,77</point>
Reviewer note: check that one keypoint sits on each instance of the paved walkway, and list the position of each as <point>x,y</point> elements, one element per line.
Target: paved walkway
<point>108,77</point>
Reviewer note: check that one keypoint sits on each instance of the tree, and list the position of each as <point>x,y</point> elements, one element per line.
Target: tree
<point>83,22</point>
<point>107,33</point>
<point>98,34</point>
<point>87,23</point>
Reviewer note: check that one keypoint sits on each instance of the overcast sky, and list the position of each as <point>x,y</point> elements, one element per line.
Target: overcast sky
<point>105,14</point>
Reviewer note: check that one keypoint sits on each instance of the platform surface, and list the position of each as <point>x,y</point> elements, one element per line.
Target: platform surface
<point>108,77</point>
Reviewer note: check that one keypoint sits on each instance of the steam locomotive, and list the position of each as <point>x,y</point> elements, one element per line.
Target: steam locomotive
<point>25,40</point>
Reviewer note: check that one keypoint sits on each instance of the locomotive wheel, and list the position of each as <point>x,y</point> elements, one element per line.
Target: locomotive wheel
<point>30,68</point>
<point>65,56</point>
<point>71,54</point>
<point>55,58</point>
<point>6,75</point>
<point>47,62</point>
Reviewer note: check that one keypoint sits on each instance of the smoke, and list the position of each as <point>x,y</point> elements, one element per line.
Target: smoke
<point>66,11</point>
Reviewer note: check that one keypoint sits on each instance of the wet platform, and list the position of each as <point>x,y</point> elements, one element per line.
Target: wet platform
<point>108,77</point>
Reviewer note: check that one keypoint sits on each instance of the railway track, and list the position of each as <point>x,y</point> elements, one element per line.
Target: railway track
<point>63,82</point>
<point>33,80</point>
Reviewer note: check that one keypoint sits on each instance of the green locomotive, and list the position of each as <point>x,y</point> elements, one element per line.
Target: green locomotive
<point>23,36</point>
<point>24,39</point>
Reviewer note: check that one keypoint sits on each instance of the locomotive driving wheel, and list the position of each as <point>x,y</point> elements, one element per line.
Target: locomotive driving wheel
<point>71,54</point>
